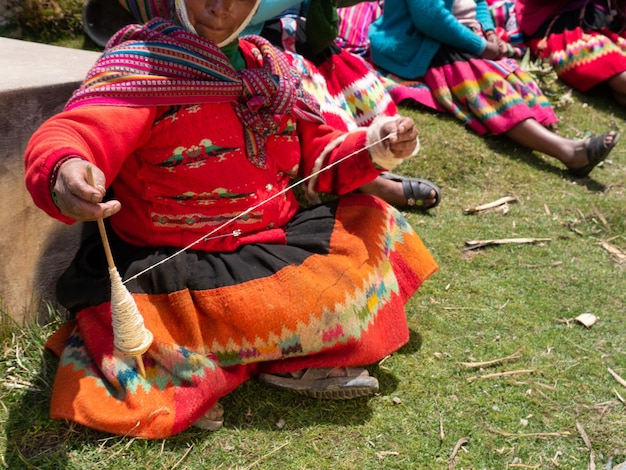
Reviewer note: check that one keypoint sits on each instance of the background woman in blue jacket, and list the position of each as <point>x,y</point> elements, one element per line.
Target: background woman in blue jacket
<point>451,46</point>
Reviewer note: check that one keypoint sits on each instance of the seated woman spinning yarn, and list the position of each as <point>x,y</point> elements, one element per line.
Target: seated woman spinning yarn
<point>194,138</point>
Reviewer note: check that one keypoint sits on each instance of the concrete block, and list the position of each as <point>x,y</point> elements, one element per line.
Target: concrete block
<point>35,83</point>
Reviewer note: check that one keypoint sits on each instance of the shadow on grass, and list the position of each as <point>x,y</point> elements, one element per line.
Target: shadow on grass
<point>413,345</point>
<point>36,441</point>
<point>259,406</point>
<point>602,99</point>
<point>502,145</point>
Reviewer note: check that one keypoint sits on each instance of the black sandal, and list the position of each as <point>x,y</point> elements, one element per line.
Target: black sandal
<point>597,152</point>
<point>416,190</point>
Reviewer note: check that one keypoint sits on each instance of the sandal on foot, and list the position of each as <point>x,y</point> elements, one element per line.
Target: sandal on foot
<point>355,382</point>
<point>416,190</point>
<point>597,151</point>
<point>212,420</point>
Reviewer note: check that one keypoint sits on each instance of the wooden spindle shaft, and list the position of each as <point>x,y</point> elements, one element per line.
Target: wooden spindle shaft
<point>101,228</point>
<point>109,256</point>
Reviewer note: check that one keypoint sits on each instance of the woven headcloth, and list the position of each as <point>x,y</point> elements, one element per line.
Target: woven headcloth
<point>162,64</point>
<point>175,10</point>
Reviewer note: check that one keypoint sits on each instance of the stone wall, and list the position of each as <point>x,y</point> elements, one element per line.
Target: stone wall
<point>33,247</point>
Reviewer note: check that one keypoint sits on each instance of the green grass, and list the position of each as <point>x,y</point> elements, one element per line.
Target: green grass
<point>481,305</point>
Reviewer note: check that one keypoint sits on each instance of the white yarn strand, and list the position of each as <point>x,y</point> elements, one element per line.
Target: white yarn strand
<point>130,336</point>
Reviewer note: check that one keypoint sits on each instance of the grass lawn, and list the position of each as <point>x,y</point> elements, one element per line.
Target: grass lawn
<point>551,391</point>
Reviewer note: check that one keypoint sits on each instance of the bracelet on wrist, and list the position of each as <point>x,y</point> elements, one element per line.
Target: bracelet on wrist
<point>55,173</point>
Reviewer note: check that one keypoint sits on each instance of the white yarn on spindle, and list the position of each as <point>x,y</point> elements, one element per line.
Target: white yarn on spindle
<point>130,336</point>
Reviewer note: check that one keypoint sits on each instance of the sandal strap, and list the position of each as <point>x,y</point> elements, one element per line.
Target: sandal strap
<point>416,190</point>
<point>327,373</point>
<point>597,152</point>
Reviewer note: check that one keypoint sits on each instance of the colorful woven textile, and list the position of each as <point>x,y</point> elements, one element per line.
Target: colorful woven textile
<point>333,295</point>
<point>328,288</point>
<point>162,64</point>
<point>354,22</point>
<point>347,87</point>
<point>349,90</point>
<point>582,56</point>
<point>401,89</point>
<point>489,97</point>
<point>146,10</point>
<point>507,29</point>
<point>586,59</point>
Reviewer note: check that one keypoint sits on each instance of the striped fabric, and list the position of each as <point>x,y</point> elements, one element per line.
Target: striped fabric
<point>583,60</point>
<point>347,87</point>
<point>162,64</point>
<point>489,97</point>
<point>507,28</point>
<point>583,46</point>
<point>354,22</point>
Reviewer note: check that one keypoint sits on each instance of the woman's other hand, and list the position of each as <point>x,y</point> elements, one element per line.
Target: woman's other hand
<point>402,132</point>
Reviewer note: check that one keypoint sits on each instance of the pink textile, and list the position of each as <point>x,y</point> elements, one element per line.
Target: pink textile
<point>354,22</point>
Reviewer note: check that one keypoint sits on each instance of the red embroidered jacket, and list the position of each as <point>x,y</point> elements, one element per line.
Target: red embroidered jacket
<point>181,173</point>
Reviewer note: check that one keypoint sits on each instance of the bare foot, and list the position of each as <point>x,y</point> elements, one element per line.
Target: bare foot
<point>212,420</point>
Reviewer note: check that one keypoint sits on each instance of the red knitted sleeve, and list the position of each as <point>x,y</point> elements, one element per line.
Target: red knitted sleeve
<point>103,135</point>
<point>323,146</point>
